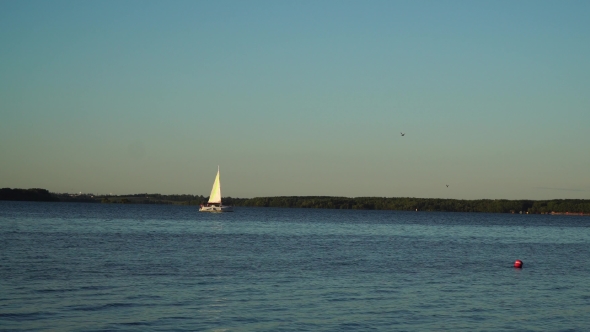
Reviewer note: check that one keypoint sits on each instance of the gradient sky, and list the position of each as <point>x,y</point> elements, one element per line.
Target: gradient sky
<point>297,97</point>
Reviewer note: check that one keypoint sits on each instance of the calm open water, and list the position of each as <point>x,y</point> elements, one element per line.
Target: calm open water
<point>100,267</point>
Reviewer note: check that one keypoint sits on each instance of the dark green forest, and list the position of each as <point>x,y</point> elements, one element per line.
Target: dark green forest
<point>422,204</point>
<point>573,206</point>
<point>35,194</point>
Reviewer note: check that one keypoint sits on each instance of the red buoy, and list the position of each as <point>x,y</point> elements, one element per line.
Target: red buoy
<point>518,264</point>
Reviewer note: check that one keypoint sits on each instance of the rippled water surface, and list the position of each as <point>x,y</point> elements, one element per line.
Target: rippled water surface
<point>99,267</point>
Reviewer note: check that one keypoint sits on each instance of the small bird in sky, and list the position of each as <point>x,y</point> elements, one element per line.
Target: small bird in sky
<point>447,185</point>
<point>403,134</point>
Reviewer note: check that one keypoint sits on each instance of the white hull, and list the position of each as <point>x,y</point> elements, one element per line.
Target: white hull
<point>222,208</point>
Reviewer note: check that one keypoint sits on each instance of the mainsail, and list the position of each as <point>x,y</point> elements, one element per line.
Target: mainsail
<point>215,196</point>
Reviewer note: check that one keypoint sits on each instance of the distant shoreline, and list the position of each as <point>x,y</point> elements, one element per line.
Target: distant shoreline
<point>554,206</point>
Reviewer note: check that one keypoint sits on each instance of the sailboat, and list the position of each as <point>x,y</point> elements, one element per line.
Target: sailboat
<point>214,203</point>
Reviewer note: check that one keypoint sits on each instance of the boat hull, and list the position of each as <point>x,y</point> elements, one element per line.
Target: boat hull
<point>222,208</point>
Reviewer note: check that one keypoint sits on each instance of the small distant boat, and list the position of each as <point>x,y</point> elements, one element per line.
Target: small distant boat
<point>214,203</point>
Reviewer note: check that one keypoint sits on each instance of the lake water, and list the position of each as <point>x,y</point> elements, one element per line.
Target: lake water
<point>101,267</point>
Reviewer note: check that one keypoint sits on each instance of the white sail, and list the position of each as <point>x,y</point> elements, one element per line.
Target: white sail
<point>215,196</point>
<point>214,204</point>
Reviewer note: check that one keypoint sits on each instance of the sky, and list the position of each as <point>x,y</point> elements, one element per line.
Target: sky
<point>297,98</point>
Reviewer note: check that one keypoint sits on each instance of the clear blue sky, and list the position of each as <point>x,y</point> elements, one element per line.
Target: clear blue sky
<point>297,97</point>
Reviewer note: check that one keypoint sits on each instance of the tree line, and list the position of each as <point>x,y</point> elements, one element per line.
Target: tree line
<point>320,202</point>
<point>34,194</point>
<point>421,204</point>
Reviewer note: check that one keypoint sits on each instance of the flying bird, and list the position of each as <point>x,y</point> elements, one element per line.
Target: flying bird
<point>403,134</point>
<point>447,185</point>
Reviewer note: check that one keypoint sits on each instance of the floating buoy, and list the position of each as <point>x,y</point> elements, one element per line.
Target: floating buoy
<point>518,264</point>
